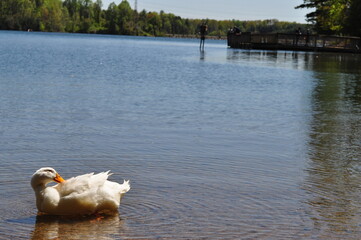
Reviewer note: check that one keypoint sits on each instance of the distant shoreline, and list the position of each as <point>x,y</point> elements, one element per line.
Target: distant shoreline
<point>188,36</point>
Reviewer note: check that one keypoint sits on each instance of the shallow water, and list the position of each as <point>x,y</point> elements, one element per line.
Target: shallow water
<point>220,144</point>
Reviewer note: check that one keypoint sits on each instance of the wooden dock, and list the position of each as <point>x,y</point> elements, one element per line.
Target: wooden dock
<point>293,42</point>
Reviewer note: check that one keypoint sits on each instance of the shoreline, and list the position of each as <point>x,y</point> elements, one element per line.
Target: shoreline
<point>186,36</point>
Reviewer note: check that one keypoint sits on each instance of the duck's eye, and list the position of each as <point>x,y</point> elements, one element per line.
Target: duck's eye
<point>49,170</point>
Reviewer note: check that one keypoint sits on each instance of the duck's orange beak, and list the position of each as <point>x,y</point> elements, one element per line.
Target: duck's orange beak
<point>58,179</point>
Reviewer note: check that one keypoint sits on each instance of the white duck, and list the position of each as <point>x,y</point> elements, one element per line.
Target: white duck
<point>84,194</point>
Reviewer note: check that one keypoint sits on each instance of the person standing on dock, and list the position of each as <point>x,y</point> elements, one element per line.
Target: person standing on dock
<point>307,37</point>
<point>298,36</point>
<point>203,31</point>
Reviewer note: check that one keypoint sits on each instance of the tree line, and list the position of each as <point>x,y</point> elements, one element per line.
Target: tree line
<point>88,16</point>
<point>334,16</point>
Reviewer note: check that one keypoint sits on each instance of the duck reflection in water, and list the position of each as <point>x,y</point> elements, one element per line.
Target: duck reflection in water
<point>65,227</point>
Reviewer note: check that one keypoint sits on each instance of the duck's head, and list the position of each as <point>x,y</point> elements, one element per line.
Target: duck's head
<point>44,176</point>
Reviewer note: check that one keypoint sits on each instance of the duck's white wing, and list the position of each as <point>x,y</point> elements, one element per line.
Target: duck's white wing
<point>82,183</point>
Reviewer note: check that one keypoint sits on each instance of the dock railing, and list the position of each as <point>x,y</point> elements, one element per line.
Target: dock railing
<point>305,42</point>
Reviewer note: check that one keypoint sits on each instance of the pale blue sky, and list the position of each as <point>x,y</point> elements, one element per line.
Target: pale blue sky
<point>282,10</point>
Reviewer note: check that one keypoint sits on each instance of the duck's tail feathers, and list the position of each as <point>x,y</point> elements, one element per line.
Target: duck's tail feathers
<point>125,186</point>
<point>109,173</point>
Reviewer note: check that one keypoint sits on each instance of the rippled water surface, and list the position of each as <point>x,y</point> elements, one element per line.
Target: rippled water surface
<point>220,144</point>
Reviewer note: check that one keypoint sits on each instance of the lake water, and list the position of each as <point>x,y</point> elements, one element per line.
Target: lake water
<point>220,144</point>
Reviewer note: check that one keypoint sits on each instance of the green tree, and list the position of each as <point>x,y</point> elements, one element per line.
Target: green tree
<point>73,7</point>
<point>98,21</point>
<point>17,14</point>
<point>111,19</point>
<point>53,16</point>
<point>333,16</point>
<point>353,25</point>
<point>154,23</point>
<point>125,18</point>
